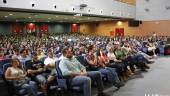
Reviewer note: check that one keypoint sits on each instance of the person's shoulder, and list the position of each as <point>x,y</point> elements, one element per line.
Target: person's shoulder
<point>10,68</point>
<point>62,60</point>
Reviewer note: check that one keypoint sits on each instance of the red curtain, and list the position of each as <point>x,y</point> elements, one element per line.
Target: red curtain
<point>74,28</point>
<point>119,32</point>
<point>44,28</point>
<point>17,28</point>
<point>30,27</point>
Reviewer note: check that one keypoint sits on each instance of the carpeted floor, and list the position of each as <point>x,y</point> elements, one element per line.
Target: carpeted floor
<point>156,81</point>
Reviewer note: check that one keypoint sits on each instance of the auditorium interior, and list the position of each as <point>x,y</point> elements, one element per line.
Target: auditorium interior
<point>84,47</point>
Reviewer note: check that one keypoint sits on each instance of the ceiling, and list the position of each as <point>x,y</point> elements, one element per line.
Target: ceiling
<point>13,16</point>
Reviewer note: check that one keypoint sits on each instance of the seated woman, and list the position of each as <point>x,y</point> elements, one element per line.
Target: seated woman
<point>115,63</point>
<point>121,55</point>
<point>18,77</point>
<point>95,65</point>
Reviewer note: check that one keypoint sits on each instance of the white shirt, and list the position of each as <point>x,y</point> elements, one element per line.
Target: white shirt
<point>49,61</point>
<point>111,56</point>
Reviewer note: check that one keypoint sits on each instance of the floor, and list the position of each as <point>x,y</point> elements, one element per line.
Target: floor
<point>156,82</point>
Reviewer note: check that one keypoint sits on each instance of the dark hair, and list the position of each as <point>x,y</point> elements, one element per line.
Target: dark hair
<point>22,51</point>
<point>65,50</point>
<point>90,48</point>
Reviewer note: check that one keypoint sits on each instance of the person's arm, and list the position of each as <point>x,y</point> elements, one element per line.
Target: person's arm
<point>101,63</point>
<point>92,62</point>
<point>116,60</point>
<point>82,68</point>
<point>50,65</point>
<point>106,60</point>
<point>65,71</point>
<point>31,71</point>
<point>84,72</point>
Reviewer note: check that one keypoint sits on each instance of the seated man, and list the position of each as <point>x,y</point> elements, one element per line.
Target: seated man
<point>49,63</point>
<point>70,66</point>
<point>37,72</point>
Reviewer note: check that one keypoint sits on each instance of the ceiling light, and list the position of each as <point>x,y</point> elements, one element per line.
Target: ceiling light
<point>157,22</point>
<point>48,21</point>
<point>78,15</point>
<point>119,23</point>
<point>10,14</point>
<point>57,16</point>
<point>5,16</point>
<point>29,17</point>
<point>31,24</point>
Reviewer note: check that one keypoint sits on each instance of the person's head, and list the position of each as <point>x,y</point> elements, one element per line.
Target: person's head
<point>90,48</point>
<point>38,51</point>
<point>110,49</point>
<point>23,52</point>
<point>67,53</point>
<point>35,58</point>
<point>2,52</point>
<point>15,62</point>
<point>16,51</point>
<point>50,54</point>
<point>101,49</point>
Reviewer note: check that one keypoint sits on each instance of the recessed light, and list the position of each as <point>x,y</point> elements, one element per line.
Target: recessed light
<point>29,17</point>
<point>10,14</point>
<point>56,16</point>
<point>5,16</point>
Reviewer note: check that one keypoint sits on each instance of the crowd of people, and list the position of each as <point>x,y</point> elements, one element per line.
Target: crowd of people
<point>113,58</point>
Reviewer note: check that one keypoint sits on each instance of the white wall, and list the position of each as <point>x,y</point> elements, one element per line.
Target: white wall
<point>157,10</point>
<point>95,6</point>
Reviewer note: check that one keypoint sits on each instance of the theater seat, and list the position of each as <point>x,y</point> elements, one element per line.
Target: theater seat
<point>64,81</point>
<point>83,61</point>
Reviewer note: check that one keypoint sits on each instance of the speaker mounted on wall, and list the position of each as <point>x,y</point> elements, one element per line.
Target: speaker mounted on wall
<point>134,23</point>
